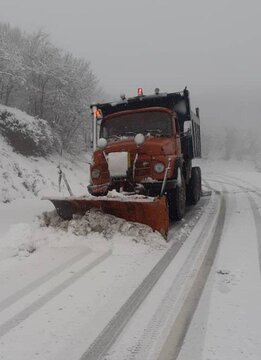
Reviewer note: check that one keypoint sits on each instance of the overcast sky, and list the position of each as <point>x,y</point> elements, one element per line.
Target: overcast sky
<point>212,46</point>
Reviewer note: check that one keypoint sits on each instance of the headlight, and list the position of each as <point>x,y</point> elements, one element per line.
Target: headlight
<point>96,173</point>
<point>159,167</point>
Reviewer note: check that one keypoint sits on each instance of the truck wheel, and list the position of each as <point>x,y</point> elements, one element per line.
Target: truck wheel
<point>177,201</point>
<point>194,186</point>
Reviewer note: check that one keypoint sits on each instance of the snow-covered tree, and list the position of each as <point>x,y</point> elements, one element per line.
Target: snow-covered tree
<point>12,69</point>
<point>48,83</point>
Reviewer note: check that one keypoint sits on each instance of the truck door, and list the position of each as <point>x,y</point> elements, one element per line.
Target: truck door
<point>176,135</point>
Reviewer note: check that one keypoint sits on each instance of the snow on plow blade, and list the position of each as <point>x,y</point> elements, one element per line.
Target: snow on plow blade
<point>149,211</point>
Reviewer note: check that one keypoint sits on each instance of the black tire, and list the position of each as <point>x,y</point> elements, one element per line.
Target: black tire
<point>177,201</point>
<point>194,186</point>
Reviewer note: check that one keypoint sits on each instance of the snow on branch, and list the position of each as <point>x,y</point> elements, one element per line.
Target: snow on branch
<point>48,83</point>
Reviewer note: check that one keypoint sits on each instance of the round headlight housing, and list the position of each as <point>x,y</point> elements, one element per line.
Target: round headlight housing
<point>139,139</point>
<point>159,167</point>
<point>96,173</point>
<point>102,143</point>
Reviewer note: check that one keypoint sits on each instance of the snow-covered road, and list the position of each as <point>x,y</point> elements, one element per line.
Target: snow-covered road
<point>55,301</point>
<point>227,323</point>
<point>129,295</point>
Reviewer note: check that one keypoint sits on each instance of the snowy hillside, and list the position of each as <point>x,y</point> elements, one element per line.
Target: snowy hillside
<point>34,176</point>
<point>28,177</point>
<point>25,179</point>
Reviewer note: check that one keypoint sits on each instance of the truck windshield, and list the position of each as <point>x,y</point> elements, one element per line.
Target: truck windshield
<point>155,123</point>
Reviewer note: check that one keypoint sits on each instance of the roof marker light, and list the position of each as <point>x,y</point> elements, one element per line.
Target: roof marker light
<point>98,114</point>
<point>140,92</point>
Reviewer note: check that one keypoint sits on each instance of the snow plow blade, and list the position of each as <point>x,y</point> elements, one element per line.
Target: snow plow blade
<point>149,211</point>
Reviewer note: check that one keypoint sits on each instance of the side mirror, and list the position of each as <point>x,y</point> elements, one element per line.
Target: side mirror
<point>102,143</point>
<point>187,128</point>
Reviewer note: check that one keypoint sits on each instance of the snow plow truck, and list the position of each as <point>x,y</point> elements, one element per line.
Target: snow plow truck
<point>141,167</point>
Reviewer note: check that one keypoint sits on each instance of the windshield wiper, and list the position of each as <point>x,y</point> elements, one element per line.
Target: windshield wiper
<point>125,133</point>
<point>157,131</point>
<point>114,137</point>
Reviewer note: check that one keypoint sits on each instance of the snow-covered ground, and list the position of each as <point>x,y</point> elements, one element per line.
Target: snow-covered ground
<point>25,180</point>
<point>100,285</point>
<point>50,268</point>
<point>32,177</point>
<point>227,323</point>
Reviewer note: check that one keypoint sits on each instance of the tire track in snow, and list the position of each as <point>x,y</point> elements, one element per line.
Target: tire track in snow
<point>178,332</point>
<point>10,300</point>
<point>257,219</point>
<point>24,314</point>
<point>250,188</point>
<point>256,188</point>
<point>254,207</point>
<point>110,333</point>
<point>195,337</point>
<point>165,314</point>
<point>205,336</point>
<point>191,214</point>
<point>208,186</point>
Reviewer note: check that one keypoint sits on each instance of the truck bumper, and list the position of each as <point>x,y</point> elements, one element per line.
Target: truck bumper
<point>153,187</point>
<point>156,186</point>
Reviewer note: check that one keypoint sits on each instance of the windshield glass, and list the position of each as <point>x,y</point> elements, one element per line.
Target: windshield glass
<point>155,123</point>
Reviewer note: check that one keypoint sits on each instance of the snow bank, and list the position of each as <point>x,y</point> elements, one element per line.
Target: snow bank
<point>33,176</point>
<point>95,230</point>
<point>106,225</point>
<point>29,177</point>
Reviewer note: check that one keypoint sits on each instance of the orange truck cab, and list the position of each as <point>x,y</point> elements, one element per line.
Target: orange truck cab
<point>145,145</point>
